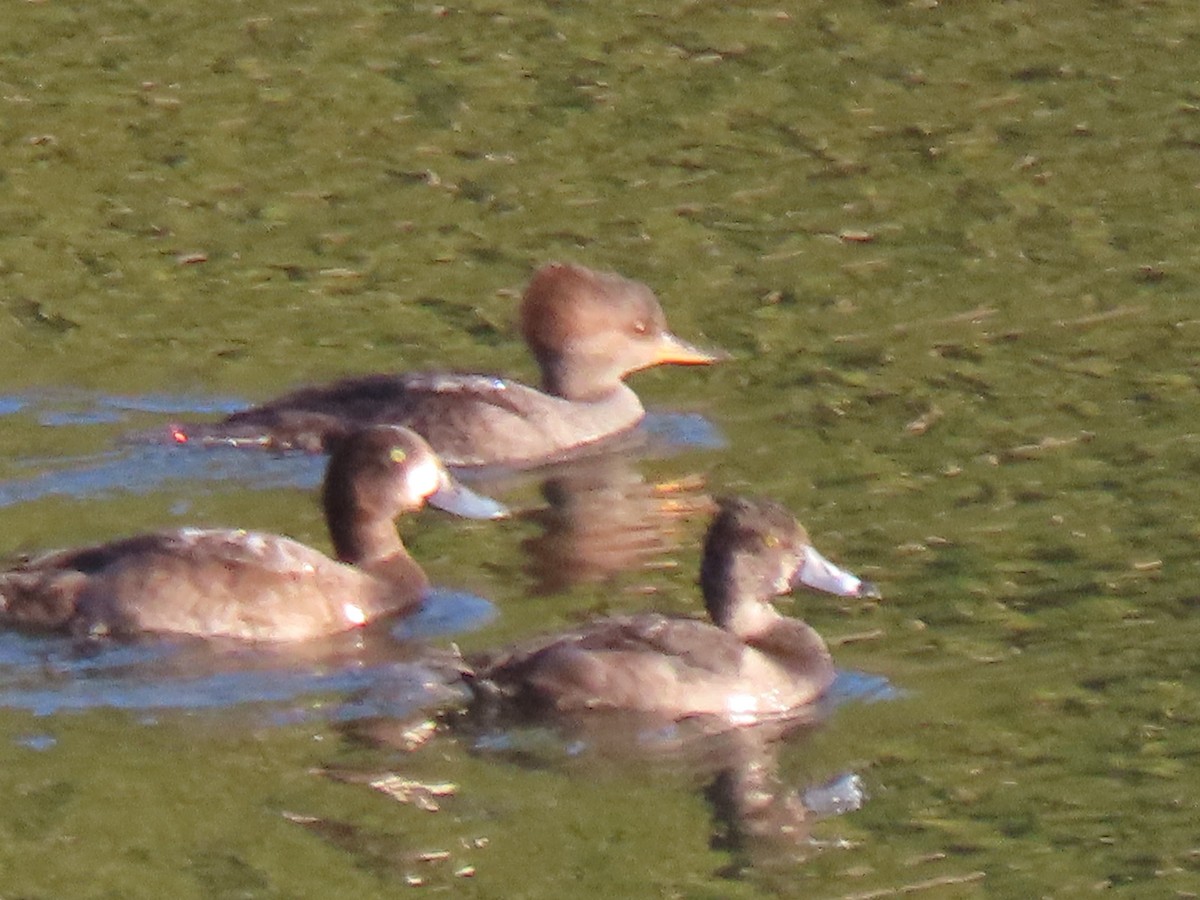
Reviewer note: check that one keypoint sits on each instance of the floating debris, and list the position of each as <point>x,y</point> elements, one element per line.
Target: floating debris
<point>854,236</point>
<point>1034,451</point>
<point>925,421</point>
<point>406,790</point>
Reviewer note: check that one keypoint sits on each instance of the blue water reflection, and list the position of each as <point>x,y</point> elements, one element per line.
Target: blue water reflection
<point>49,674</point>
<point>149,460</point>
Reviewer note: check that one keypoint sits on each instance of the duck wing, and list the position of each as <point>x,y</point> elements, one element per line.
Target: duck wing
<point>207,582</point>
<point>435,405</point>
<point>646,662</point>
<point>232,545</point>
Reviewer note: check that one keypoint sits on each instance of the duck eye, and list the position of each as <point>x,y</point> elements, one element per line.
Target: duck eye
<point>771,540</point>
<point>640,326</point>
<point>397,455</point>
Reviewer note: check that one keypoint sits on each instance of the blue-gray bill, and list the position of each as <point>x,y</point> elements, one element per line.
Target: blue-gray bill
<point>819,573</point>
<point>455,497</point>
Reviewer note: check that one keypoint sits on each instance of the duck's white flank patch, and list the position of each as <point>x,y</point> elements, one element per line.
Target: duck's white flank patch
<point>742,707</point>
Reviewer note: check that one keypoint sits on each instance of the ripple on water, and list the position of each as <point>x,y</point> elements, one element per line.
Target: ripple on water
<point>148,461</point>
<point>49,674</point>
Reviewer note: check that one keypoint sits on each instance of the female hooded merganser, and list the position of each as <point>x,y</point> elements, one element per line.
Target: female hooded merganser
<point>587,330</point>
<point>749,665</point>
<point>251,586</point>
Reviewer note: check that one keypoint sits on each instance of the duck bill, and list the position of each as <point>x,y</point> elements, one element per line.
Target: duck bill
<point>822,575</point>
<point>679,352</point>
<point>455,497</point>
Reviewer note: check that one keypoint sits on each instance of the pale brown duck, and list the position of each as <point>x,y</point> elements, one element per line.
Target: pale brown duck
<point>587,330</point>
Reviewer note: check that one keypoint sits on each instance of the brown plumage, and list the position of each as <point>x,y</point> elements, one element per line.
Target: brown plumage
<point>248,585</point>
<point>587,330</point>
<point>750,663</point>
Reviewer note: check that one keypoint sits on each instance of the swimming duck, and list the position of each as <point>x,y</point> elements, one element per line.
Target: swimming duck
<point>261,587</point>
<point>749,665</point>
<point>587,330</point>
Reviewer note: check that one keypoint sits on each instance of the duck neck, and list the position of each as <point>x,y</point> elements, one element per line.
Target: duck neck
<point>366,543</point>
<point>797,645</point>
<point>401,573</point>
<point>574,380</point>
<point>376,549</point>
<point>734,597</point>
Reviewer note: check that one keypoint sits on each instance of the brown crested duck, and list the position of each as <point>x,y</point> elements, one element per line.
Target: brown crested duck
<point>587,330</point>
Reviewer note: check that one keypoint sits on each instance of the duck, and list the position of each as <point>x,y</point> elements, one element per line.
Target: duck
<point>749,664</point>
<point>251,586</point>
<point>587,330</point>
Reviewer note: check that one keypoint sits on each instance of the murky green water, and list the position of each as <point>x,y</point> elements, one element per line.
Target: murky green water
<point>954,249</point>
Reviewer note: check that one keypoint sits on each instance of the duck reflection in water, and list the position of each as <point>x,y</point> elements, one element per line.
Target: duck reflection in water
<point>603,518</point>
<point>760,818</point>
<point>715,699</point>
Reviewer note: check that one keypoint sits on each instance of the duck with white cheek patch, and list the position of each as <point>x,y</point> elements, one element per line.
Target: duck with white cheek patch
<point>232,583</point>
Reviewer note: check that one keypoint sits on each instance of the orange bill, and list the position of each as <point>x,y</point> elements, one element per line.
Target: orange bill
<point>674,350</point>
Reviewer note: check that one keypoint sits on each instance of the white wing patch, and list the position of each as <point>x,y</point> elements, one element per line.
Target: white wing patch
<point>446,383</point>
<point>237,545</point>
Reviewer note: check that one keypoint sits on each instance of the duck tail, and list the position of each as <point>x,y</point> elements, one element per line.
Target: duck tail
<point>31,600</point>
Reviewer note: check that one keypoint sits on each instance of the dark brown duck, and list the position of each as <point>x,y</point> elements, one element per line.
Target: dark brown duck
<point>749,664</point>
<point>241,584</point>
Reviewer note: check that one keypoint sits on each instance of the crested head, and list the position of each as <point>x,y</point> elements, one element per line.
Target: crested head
<point>564,303</point>
<point>590,329</point>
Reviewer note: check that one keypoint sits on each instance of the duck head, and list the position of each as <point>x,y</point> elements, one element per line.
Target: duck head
<point>376,475</point>
<point>754,551</point>
<point>589,329</point>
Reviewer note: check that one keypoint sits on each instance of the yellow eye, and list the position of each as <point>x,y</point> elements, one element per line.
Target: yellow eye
<point>398,456</point>
<point>771,540</point>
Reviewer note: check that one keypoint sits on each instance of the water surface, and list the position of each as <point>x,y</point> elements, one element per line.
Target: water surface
<point>953,249</point>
